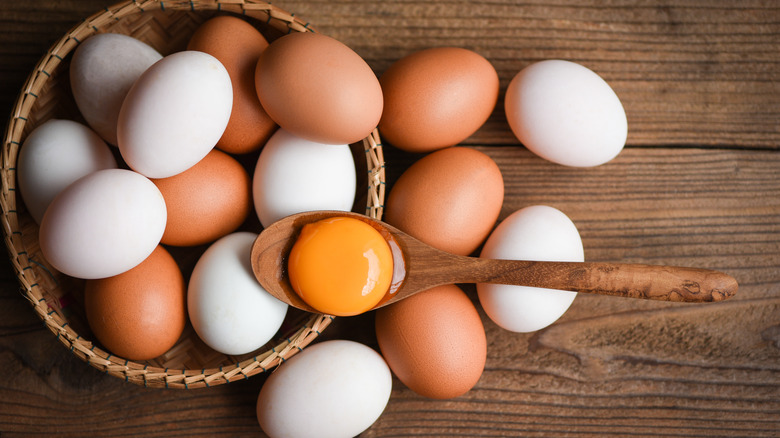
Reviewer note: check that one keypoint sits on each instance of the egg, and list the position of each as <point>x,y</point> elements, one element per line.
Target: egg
<point>434,342</point>
<point>340,266</point>
<point>540,233</point>
<point>139,314</point>
<point>318,88</point>
<point>237,45</point>
<point>103,224</point>
<point>54,155</point>
<point>449,199</point>
<point>174,114</point>
<point>336,388</point>
<point>566,113</point>
<point>103,68</point>
<point>293,175</point>
<point>436,98</point>
<point>228,308</point>
<point>207,201</point>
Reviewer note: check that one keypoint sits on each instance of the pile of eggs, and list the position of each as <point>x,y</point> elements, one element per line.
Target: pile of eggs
<point>156,167</point>
<point>178,151</point>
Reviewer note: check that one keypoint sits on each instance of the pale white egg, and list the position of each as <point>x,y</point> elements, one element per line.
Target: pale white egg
<point>294,175</point>
<point>539,233</point>
<point>103,224</point>
<point>335,389</point>
<point>53,156</point>
<point>566,113</point>
<point>228,308</point>
<point>174,114</point>
<point>102,70</point>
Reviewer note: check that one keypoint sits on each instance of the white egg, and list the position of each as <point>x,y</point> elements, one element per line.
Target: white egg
<point>103,224</point>
<point>174,114</point>
<point>538,233</point>
<point>294,175</point>
<point>102,70</point>
<point>228,308</point>
<point>566,113</point>
<point>333,389</point>
<point>53,156</point>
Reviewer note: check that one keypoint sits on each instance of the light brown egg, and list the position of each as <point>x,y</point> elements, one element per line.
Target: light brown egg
<point>237,45</point>
<point>141,313</point>
<point>449,199</point>
<point>434,342</point>
<point>318,88</point>
<point>436,98</point>
<point>207,201</point>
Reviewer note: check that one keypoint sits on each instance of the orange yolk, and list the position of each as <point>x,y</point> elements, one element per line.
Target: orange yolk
<point>340,266</point>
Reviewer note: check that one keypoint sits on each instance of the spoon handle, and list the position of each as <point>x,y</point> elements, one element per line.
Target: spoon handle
<point>665,283</point>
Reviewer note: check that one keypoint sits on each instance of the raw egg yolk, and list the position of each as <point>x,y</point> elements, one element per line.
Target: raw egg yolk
<point>340,266</point>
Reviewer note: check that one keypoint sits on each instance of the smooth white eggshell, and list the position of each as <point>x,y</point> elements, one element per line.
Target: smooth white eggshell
<point>102,70</point>
<point>103,224</point>
<point>566,113</point>
<point>333,389</point>
<point>53,156</point>
<point>539,233</point>
<point>294,175</point>
<point>174,114</point>
<point>228,308</point>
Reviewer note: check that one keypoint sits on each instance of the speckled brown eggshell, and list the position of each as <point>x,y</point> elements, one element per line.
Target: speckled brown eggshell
<point>449,199</point>
<point>139,314</point>
<point>436,98</point>
<point>434,342</point>
<point>319,89</point>
<point>207,201</point>
<point>237,45</point>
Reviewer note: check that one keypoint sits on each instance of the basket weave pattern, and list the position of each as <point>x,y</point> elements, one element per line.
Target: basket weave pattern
<point>166,26</point>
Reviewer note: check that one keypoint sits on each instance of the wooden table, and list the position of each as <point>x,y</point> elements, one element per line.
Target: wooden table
<point>698,184</point>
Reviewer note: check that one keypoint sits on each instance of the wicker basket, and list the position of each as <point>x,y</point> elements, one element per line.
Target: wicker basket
<point>166,26</point>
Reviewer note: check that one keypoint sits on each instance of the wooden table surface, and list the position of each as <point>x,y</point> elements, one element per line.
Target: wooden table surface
<point>698,184</point>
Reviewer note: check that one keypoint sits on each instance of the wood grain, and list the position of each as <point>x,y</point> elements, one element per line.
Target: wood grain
<point>698,185</point>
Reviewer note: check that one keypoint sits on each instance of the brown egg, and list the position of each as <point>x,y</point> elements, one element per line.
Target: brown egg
<point>436,98</point>
<point>207,201</point>
<point>318,88</point>
<point>449,199</point>
<point>237,45</point>
<point>434,342</point>
<point>139,314</point>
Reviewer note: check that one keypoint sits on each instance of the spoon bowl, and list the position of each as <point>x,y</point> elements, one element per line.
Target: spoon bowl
<point>418,267</point>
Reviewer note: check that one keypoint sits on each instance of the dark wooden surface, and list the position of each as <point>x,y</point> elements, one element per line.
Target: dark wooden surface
<point>697,185</point>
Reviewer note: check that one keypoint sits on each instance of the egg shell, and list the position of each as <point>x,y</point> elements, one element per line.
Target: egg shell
<point>336,388</point>
<point>174,114</point>
<point>103,68</point>
<point>207,201</point>
<point>54,155</point>
<point>228,308</point>
<point>139,314</point>
<point>103,224</point>
<point>293,175</point>
<point>436,98</point>
<point>449,199</point>
<point>237,45</point>
<point>566,113</point>
<point>318,88</point>
<point>540,233</point>
<point>434,342</point>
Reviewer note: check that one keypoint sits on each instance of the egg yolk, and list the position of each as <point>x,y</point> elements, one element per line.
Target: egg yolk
<point>340,266</point>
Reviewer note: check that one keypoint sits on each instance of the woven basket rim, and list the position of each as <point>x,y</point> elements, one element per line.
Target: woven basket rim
<point>35,293</point>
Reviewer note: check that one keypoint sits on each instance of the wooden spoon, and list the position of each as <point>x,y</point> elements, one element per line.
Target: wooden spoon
<point>419,267</point>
